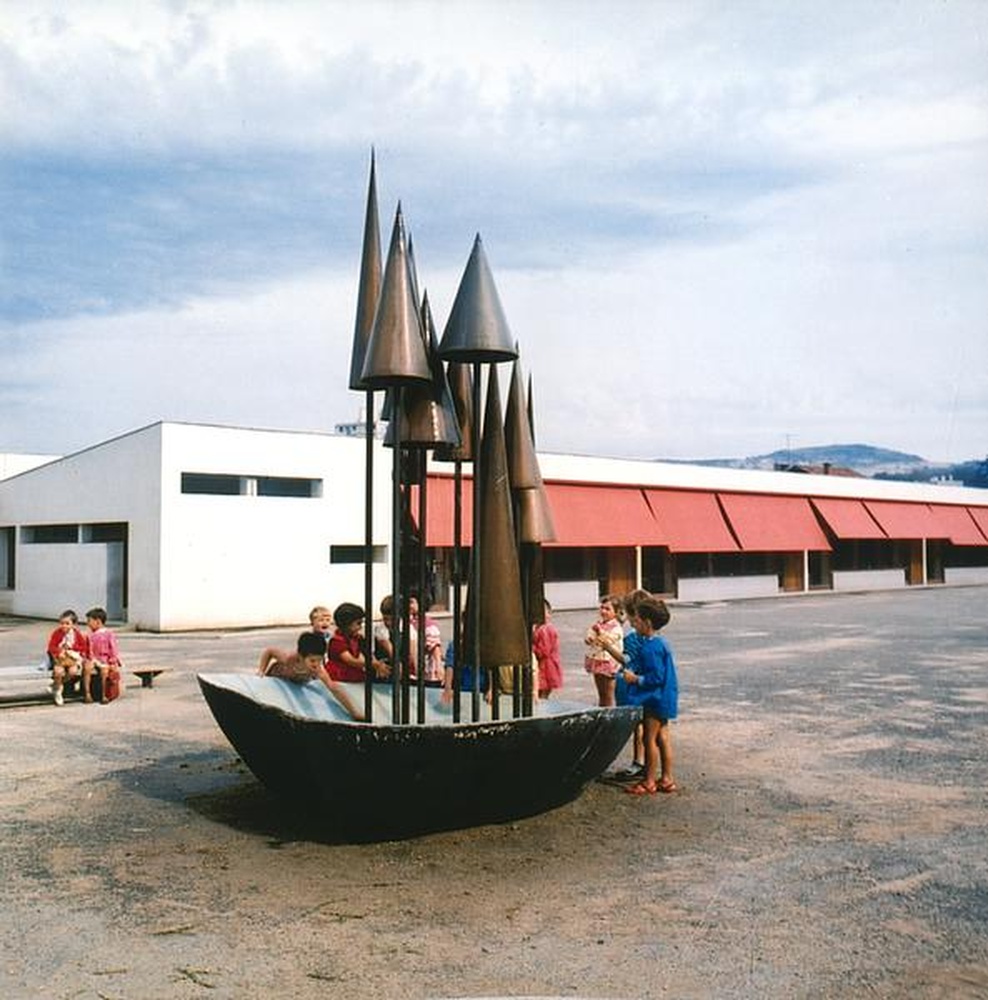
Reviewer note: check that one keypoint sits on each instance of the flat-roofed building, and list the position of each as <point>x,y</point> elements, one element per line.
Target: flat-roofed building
<point>179,526</point>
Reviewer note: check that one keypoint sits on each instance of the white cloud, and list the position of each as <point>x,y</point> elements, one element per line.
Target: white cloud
<point>715,226</point>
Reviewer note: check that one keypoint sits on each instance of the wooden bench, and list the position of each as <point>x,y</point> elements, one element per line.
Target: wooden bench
<point>147,674</point>
<point>30,683</point>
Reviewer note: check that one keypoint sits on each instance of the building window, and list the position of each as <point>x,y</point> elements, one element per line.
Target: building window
<point>221,484</point>
<point>104,533</point>
<point>212,484</point>
<point>6,558</point>
<point>50,534</point>
<point>355,553</point>
<point>281,486</point>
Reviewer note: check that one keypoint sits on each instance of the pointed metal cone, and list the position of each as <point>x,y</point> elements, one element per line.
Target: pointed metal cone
<point>388,407</point>
<point>503,629</point>
<point>535,522</point>
<point>396,349</point>
<point>369,289</point>
<point>523,465</point>
<point>413,274</point>
<point>477,329</point>
<point>428,416</point>
<point>458,378</point>
<point>532,561</point>
<point>531,411</point>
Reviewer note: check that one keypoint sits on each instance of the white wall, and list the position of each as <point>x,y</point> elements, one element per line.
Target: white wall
<point>869,579</point>
<point>252,560</point>
<point>960,575</point>
<point>54,577</point>
<point>117,481</point>
<point>722,588</point>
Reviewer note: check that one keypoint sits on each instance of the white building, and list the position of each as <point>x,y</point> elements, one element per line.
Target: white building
<point>179,526</point>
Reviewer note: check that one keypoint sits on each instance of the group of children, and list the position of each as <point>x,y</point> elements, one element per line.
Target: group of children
<point>631,664</point>
<point>74,655</point>
<point>332,651</point>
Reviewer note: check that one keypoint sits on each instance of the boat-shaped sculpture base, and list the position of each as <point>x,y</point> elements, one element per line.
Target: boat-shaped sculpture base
<point>378,781</point>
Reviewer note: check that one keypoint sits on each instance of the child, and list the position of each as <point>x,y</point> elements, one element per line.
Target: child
<point>384,643</point>
<point>466,678</point>
<point>321,620</point>
<point>103,657</point>
<point>632,645</point>
<point>304,665</point>
<point>654,686</point>
<point>383,646</point>
<point>545,647</point>
<point>346,659</point>
<point>425,626</point>
<point>605,639</point>
<point>67,650</point>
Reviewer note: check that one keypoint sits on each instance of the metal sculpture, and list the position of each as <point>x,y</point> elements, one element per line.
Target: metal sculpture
<point>382,776</point>
<point>368,294</point>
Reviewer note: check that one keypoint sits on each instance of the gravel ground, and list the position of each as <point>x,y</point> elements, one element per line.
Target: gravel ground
<point>828,841</point>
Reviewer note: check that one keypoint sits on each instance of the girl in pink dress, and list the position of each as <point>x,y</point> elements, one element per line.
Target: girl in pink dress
<point>545,647</point>
<point>599,662</point>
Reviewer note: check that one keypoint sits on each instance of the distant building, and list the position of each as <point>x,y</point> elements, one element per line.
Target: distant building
<point>179,526</point>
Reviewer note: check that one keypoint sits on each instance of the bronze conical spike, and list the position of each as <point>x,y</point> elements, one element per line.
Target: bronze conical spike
<point>369,289</point>
<point>523,465</point>
<point>531,411</point>
<point>503,630</point>
<point>459,381</point>
<point>477,329</point>
<point>428,417</point>
<point>533,559</point>
<point>396,349</point>
<point>535,522</point>
<point>413,274</point>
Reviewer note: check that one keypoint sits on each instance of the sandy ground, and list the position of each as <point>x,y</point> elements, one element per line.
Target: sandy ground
<point>829,839</point>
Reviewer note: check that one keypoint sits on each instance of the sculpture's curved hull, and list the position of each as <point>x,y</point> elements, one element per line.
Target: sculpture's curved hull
<point>380,781</point>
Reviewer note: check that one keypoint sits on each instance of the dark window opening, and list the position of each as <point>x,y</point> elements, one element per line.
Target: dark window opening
<point>355,553</point>
<point>212,484</point>
<point>50,534</point>
<point>94,533</point>
<point>280,486</point>
<point>7,563</point>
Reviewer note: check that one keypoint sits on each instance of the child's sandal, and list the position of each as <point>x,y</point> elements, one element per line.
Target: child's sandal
<point>642,788</point>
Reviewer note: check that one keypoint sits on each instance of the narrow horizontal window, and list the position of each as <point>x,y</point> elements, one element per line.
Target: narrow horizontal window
<point>50,534</point>
<point>281,486</point>
<point>355,553</point>
<point>214,484</point>
<point>104,532</point>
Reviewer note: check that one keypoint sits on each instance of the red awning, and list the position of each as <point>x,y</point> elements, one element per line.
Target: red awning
<point>584,515</point>
<point>847,518</point>
<point>690,522</point>
<point>588,515</point>
<point>980,515</point>
<point>439,511</point>
<point>958,524</point>
<point>773,523</point>
<point>901,520</point>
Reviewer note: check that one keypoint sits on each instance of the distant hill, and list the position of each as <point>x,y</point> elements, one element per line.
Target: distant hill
<point>863,459</point>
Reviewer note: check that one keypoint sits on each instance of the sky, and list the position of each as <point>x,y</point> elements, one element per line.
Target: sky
<point>717,229</point>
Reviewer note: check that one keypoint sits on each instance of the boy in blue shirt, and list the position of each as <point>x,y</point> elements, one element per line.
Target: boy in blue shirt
<point>654,686</point>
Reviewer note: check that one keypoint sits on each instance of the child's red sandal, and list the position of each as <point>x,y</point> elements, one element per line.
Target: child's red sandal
<point>643,788</point>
